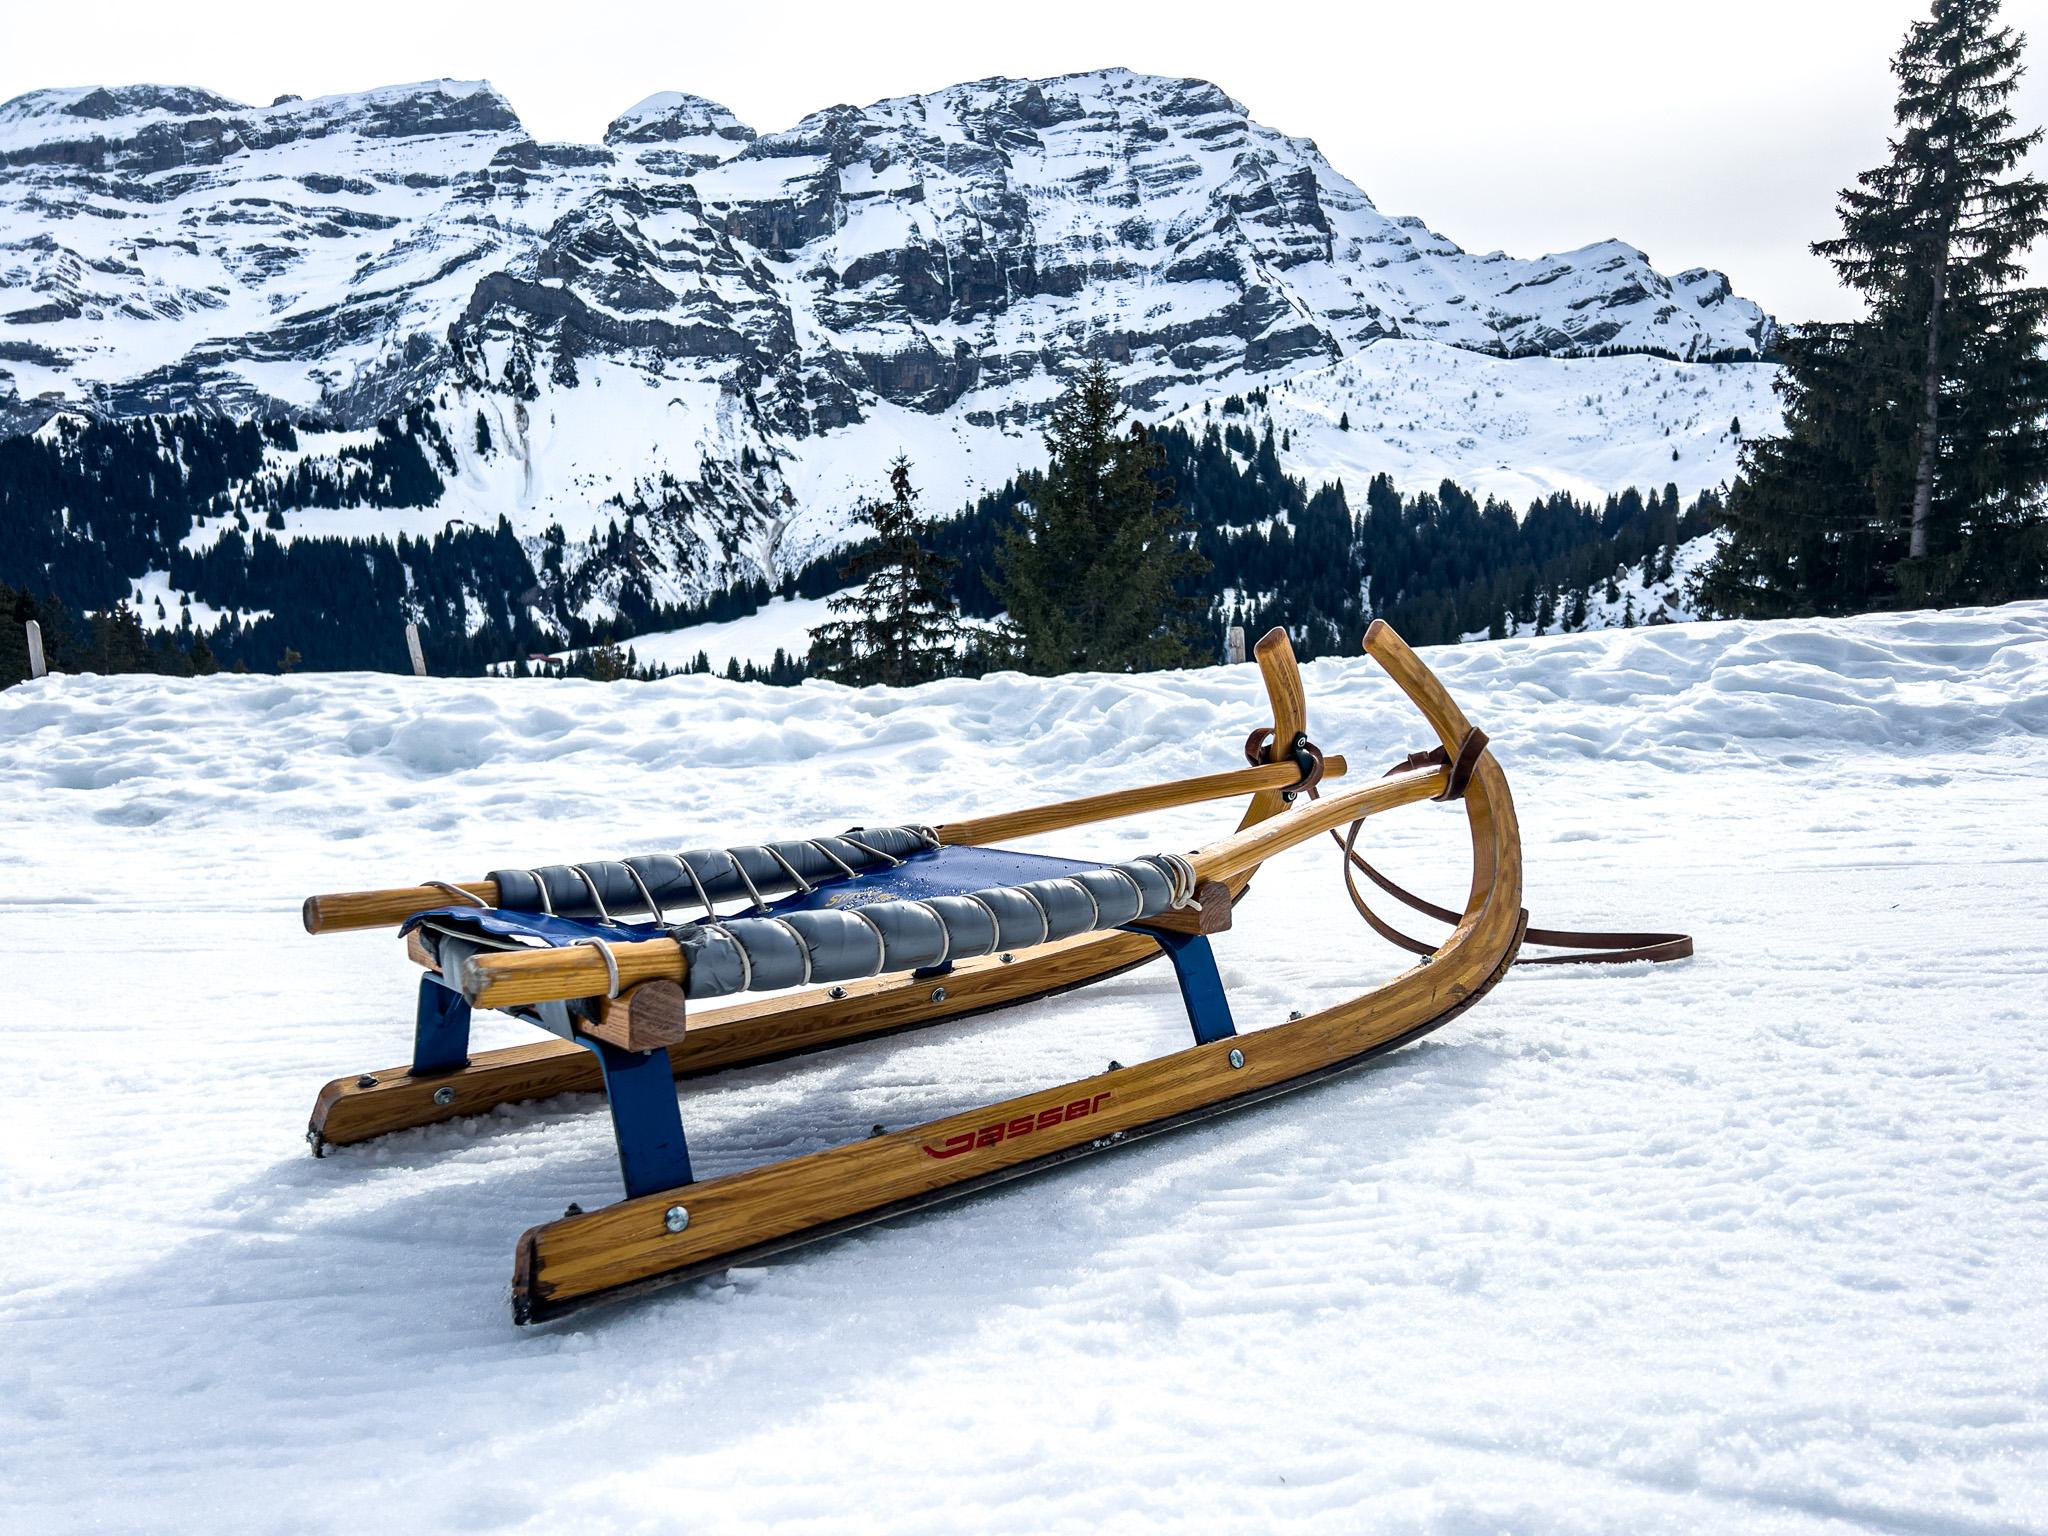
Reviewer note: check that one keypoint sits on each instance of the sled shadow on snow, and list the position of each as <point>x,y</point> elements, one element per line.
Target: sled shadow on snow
<point>374,1281</point>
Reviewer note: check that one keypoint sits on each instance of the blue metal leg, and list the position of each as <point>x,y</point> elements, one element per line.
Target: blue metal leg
<point>1194,967</point>
<point>440,1032</point>
<point>646,1119</point>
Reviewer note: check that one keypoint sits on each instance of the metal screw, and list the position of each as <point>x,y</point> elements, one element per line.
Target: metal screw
<point>676,1219</point>
<point>366,1081</point>
<point>444,1096</point>
<point>1293,1015</point>
<point>877,1130</point>
<point>836,993</point>
<point>1237,1058</point>
<point>1008,957</point>
<point>938,994</point>
<point>572,1209</point>
<point>1114,1065</point>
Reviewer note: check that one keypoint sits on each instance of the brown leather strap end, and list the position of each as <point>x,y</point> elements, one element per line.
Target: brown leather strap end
<point>1463,764</point>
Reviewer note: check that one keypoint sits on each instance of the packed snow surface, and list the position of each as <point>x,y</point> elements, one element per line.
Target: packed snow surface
<point>1751,1243</point>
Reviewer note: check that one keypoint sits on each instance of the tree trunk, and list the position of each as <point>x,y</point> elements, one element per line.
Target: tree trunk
<point>1930,409</point>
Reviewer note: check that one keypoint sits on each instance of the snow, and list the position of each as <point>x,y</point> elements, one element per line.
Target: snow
<point>1423,412</point>
<point>783,623</point>
<point>1749,1243</point>
<point>154,592</point>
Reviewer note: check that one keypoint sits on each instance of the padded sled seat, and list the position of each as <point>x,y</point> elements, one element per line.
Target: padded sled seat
<point>928,907</point>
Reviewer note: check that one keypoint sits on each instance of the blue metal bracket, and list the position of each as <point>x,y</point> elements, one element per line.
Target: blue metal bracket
<point>1201,988</point>
<point>440,1032</point>
<point>646,1119</point>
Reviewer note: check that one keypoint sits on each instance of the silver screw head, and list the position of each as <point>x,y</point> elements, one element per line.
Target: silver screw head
<point>445,1096</point>
<point>938,994</point>
<point>1236,1058</point>
<point>676,1218</point>
<point>1293,1014</point>
<point>1008,958</point>
<point>836,993</point>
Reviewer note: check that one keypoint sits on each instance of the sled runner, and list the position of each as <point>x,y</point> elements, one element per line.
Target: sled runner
<point>880,929</point>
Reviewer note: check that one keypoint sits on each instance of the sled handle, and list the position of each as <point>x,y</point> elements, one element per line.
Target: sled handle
<point>1282,677</point>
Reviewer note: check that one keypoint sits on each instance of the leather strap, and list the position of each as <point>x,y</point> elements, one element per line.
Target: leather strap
<point>1308,757</point>
<point>1596,948</point>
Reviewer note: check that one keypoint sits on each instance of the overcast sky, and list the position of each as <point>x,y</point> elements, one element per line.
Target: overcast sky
<point>1710,133</point>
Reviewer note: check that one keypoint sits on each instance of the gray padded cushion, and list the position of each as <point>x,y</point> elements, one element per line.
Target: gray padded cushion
<point>667,875</point>
<point>843,943</point>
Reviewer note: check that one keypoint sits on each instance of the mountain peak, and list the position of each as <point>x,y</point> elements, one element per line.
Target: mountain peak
<point>667,116</point>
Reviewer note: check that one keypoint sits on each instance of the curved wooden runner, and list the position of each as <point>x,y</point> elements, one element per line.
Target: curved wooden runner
<point>662,1238</point>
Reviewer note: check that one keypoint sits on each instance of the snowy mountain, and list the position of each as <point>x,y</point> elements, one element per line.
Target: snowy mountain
<point>726,334</point>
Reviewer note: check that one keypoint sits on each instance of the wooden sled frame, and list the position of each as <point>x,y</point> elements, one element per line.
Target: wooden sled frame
<point>670,1229</point>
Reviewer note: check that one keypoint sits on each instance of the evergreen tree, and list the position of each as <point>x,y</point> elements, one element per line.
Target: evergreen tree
<point>1916,449</point>
<point>1096,568</point>
<point>902,627</point>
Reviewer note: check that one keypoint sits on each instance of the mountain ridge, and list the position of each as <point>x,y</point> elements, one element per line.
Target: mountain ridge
<point>719,336</point>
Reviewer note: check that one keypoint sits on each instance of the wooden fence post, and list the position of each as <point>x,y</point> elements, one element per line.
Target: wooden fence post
<point>37,666</point>
<point>412,644</point>
<point>1233,644</point>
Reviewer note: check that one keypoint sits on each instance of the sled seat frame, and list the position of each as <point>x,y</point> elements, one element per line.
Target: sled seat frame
<point>639,1085</point>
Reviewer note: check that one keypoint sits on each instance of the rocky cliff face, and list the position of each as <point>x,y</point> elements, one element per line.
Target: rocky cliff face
<point>726,334</point>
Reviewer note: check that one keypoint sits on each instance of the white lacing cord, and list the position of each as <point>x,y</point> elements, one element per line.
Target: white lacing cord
<point>611,961</point>
<point>797,939</point>
<point>1180,877</point>
<point>458,892</point>
<point>945,949</point>
<point>547,904</point>
<point>1137,890</point>
<point>881,940</point>
<point>847,869</point>
<point>887,858</point>
<point>746,960</point>
<point>1094,906</point>
<point>802,884</point>
<point>1044,918</point>
<point>740,869</point>
<point>647,894</point>
<point>710,912</point>
<point>995,924</point>
<point>596,896</point>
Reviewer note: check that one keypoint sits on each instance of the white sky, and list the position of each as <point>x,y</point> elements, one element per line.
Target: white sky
<point>1710,133</point>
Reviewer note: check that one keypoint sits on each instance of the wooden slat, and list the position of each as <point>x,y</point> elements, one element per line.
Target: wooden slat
<point>1210,913</point>
<point>631,1242</point>
<point>344,910</point>
<point>1119,803</point>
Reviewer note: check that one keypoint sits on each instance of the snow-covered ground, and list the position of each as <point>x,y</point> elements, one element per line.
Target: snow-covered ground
<point>1752,1243</point>
<point>1422,412</point>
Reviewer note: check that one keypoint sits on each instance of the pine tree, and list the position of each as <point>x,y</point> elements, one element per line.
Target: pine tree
<point>902,626</point>
<point>1093,571</point>
<point>1916,451</point>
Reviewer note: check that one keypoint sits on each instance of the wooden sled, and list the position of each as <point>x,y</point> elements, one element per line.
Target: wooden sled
<point>619,993</point>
